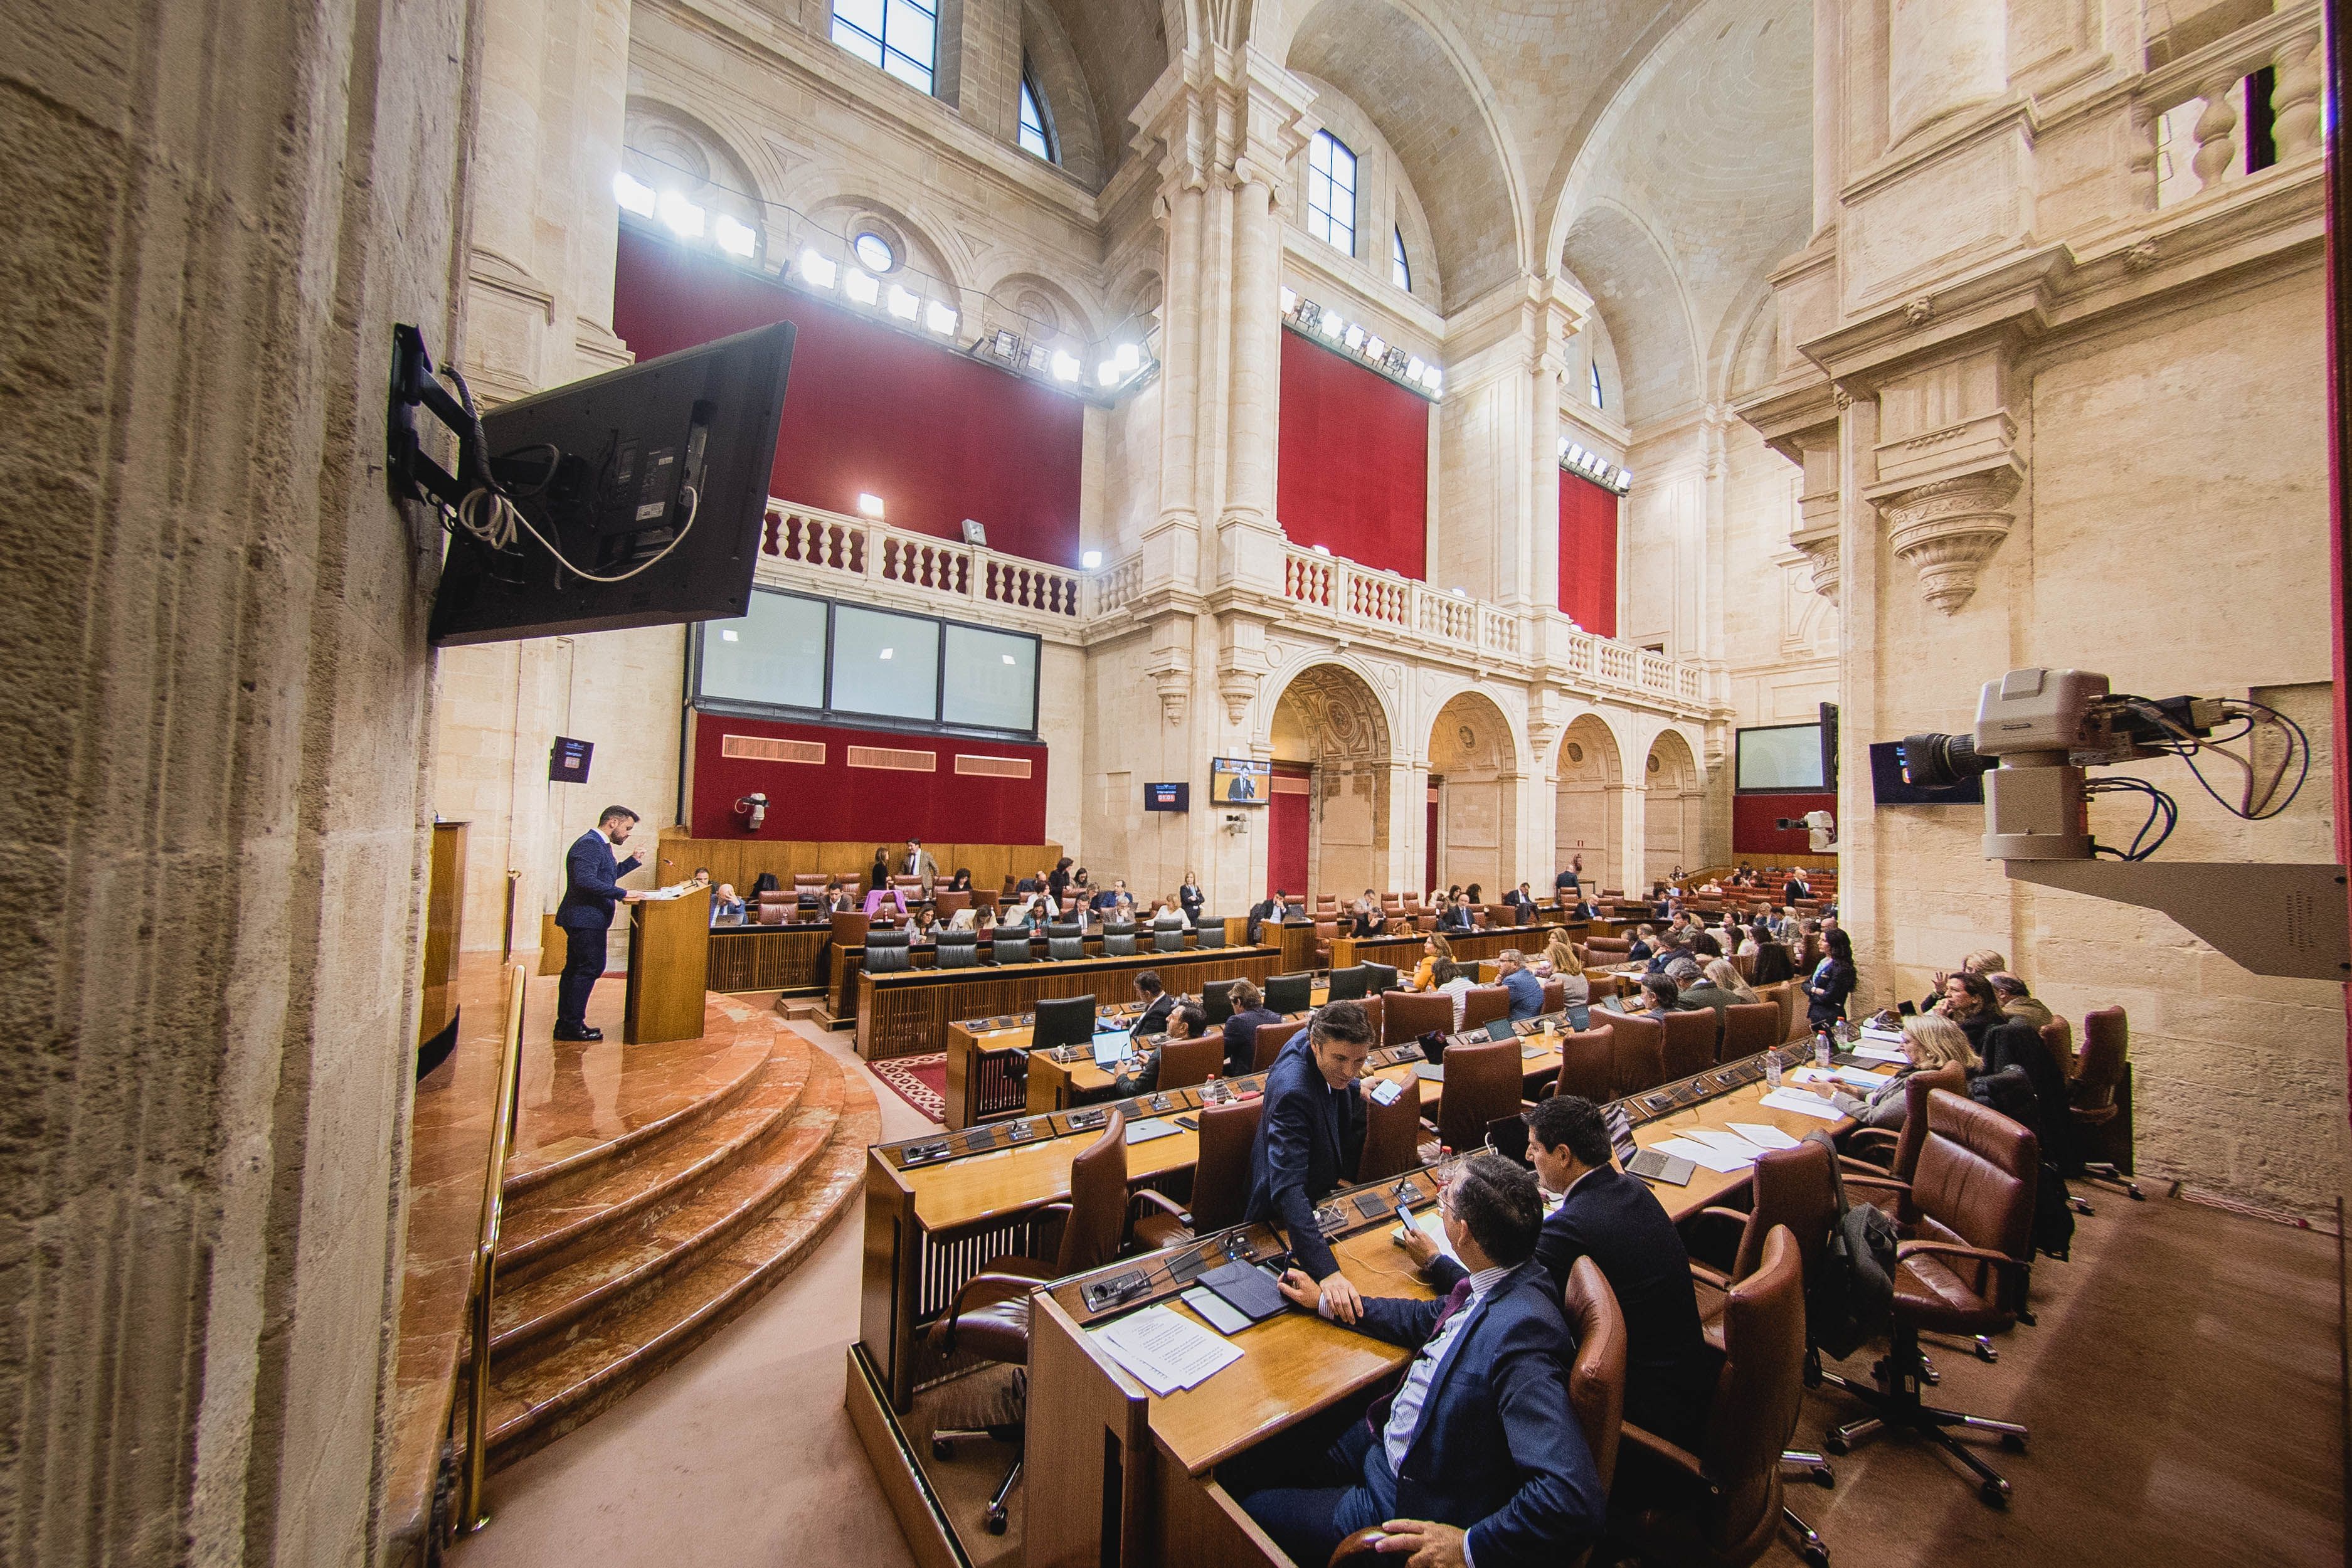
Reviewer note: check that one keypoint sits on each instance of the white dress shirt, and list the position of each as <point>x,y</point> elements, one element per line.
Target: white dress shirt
<point>1404,1415</point>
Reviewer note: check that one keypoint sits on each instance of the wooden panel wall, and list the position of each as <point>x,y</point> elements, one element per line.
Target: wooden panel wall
<point>762,959</point>
<point>740,861</point>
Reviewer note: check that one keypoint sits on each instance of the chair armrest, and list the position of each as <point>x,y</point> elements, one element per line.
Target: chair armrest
<point>1672,1455</point>
<point>1900,1189</point>
<point>1357,1548</point>
<point>1903,1249</point>
<point>1159,1200</point>
<point>1712,1279</point>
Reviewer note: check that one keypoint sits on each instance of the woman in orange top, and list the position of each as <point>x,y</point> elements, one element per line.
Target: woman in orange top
<point>1433,952</point>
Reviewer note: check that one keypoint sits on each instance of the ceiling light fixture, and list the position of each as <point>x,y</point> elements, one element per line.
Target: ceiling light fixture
<point>735,238</point>
<point>817,270</point>
<point>634,195</point>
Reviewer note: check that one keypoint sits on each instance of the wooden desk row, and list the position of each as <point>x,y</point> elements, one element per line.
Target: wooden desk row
<point>1403,951</point>
<point>748,956</point>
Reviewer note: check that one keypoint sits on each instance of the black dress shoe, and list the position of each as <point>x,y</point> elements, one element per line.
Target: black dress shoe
<point>581,1033</point>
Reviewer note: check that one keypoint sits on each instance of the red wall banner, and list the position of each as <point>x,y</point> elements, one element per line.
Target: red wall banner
<point>938,436</point>
<point>1752,816</point>
<point>1587,554</point>
<point>829,800</point>
<point>1352,473</point>
<point>1288,804</point>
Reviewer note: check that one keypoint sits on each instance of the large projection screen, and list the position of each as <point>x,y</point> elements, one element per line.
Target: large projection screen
<point>1783,759</point>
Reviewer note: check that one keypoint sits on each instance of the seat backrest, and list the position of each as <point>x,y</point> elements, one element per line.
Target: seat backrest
<point>957,949</point>
<point>1482,1005</point>
<point>1013,948</point>
<point>1587,1066</point>
<point>1555,995</point>
<point>1639,1051</point>
<point>1064,942</point>
<point>2058,1039</point>
<point>1288,994</point>
<point>1217,999</point>
<point>905,882</point>
<point>1916,1090</point>
<point>1408,1014</point>
<point>1325,903</point>
<point>1183,1063</point>
<point>1596,1374</point>
<point>1690,1042</point>
<point>1209,931</point>
<point>1379,979</point>
<point>849,927</point>
<point>1482,1085</point>
<point>2107,1039</point>
<point>1392,1135</point>
<point>1098,1222</point>
<point>1500,917</point>
<point>1974,1185</point>
<point>1168,938</point>
<point>1119,943</point>
<point>780,895</point>
<point>1221,1178</point>
<point>1063,1021</point>
<point>1791,1187</point>
<point>774,914</point>
<point>886,952</point>
<point>1750,1027</point>
<point>1349,985</point>
<point>1757,1395</point>
<point>947,901</point>
<point>1271,1038</point>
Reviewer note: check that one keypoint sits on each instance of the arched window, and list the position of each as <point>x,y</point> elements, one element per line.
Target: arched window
<point>1400,269</point>
<point>1331,192</point>
<point>900,36</point>
<point>1597,402</point>
<point>1036,135</point>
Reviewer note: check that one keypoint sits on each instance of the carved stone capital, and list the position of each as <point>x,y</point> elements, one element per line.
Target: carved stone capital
<point>1947,531</point>
<point>1819,548</point>
<point>1238,687</point>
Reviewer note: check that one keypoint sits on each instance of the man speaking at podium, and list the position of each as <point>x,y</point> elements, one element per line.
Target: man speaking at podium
<point>591,888</point>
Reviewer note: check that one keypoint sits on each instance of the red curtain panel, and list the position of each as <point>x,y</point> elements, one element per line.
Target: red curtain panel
<point>937,436</point>
<point>1587,554</point>
<point>1286,849</point>
<point>1353,470</point>
<point>1752,816</point>
<point>830,800</point>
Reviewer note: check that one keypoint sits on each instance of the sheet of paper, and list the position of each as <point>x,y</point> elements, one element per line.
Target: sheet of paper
<point>1804,1101</point>
<point>1705,1155</point>
<point>1764,1135</point>
<point>1729,1142</point>
<point>1870,1051</point>
<point>1855,1078</point>
<point>1137,1364</point>
<point>1170,1345</point>
<point>1894,1036</point>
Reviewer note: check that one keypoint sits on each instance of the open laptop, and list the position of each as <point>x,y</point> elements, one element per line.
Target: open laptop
<point>1643,1161</point>
<point>1109,1047</point>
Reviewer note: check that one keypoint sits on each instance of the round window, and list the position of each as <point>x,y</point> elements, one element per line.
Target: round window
<point>873,252</point>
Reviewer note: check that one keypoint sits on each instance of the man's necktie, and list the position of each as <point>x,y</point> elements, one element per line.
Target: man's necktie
<point>1455,1301</point>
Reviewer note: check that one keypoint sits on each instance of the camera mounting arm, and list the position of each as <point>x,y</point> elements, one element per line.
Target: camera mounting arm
<point>408,472</point>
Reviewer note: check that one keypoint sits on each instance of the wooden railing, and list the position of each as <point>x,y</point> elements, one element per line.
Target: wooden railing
<point>810,548</point>
<point>2287,42</point>
<point>471,1516</point>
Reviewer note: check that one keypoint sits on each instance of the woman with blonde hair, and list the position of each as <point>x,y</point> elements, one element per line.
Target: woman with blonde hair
<point>1560,963</point>
<point>1929,1042</point>
<point>1435,950</point>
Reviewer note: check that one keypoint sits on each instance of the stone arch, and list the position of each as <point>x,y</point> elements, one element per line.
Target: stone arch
<point>1061,81</point>
<point>1673,804</point>
<point>1039,310</point>
<point>1328,718</point>
<point>1637,291</point>
<point>1474,765</point>
<point>839,205</point>
<point>1387,55</point>
<point>1589,802</point>
<point>669,148</point>
<point>1120,47</point>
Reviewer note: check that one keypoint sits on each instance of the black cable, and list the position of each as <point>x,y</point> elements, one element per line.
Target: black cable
<point>2161,808</point>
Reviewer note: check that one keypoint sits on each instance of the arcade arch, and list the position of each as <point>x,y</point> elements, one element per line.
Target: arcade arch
<point>1591,803</point>
<point>1474,765</point>
<point>1327,812</point>
<point>1673,808</point>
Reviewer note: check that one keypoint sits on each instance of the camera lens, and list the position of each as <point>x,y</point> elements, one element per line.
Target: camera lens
<point>1939,761</point>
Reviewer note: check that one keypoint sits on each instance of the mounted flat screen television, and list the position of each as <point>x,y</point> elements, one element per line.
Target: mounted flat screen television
<point>1780,759</point>
<point>1239,780</point>
<point>1891,788</point>
<point>1167,797</point>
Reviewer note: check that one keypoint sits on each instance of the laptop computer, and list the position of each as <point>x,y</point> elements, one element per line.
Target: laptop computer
<point>1109,1047</point>
<point>1641,1161</point>
<point>1499,1030</point>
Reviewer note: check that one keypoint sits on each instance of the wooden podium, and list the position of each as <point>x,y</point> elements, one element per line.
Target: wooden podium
<point>669,965</point>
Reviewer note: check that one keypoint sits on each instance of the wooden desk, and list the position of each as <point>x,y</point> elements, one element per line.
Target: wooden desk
<point>908,1013</point>
<point>669,966</point>
<point>1403,952</point>
<point>845,963</point>
<point>748,956</point>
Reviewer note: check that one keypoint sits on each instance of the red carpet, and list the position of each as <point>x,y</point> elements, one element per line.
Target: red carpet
<point>920,1081</point>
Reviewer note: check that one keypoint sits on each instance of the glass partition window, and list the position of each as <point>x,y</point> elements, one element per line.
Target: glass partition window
<point>885,664</point>
<point>989,680</point>
<point>775,654</point>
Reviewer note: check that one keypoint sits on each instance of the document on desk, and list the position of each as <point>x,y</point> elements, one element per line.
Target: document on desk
<point>1871,1050</point>
<point>1804,1101</point>
<point>1763,1135</point>
<point>1853,1076</point>
<point>1892,1036</point>
<point>1721,1161</point>
<point>1165,1350</point>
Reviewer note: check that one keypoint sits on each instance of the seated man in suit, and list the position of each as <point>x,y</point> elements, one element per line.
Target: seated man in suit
<point>1456,916</point>
<point>1314,1109</point>
<point>1274,911</point>
<point>1515,977</point>
<point>1365,916</point>
<point>1614,1219</point>
<point>1250,1015</point>
<point>1187,1021</point>
<point>1477,1456</point>
<point>1523,902</point>
<point>1157,1005</point>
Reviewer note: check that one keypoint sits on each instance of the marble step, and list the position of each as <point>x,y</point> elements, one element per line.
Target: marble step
<point>527,1319</point>
<point>618,1200</point>
<point>632,1335</point>
<point>591,1106</point>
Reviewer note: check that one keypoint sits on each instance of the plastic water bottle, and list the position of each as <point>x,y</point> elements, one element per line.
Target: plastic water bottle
<point>1824,1045</point>
<point>1772,1069</point>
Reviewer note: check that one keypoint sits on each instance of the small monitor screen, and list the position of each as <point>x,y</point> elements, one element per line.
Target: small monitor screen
<point>1167,797</point>
<point>1239,780</point>
<point>1109,1047</point>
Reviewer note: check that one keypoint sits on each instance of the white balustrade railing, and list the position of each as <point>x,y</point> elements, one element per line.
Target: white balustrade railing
<point>818,549</point>
<point>2189,113</point>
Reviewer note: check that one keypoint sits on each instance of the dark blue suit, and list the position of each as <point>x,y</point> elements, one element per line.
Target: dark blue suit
<point>1299,1155</point>
<point>1497,1450</point>
<point>1617,1222</point>
<point>591,890</point>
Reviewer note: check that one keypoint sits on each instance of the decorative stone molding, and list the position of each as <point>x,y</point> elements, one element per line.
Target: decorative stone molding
<point>1947,531</point>
<point>1238,687</point>
<point>1920,311</point>
<point>1819,548</point>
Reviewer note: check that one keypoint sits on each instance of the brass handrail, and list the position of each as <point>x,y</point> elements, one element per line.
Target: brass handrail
<point>506,934</point>
<point>471,1516</point>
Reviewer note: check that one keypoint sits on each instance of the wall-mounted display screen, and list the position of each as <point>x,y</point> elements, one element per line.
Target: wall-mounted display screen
<point>1238,781</point>
<point>1167,797</point>
<point>1781,758</point>
<point>791,656</point>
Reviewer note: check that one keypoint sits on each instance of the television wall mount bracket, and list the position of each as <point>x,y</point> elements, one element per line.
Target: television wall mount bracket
<point>409,472</point>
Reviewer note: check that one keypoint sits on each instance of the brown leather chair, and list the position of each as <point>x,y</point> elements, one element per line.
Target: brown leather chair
<point>1963,1269</point>
<point>1482,1005</point>
<point>1271,1038</point>
<point>2058,1038</point>
<point>2100,1097</point>
<point>1391,1136</point>
<point>1586,1064</point>
<point>947,901</point>
<point>1220,1179</point>
<point>1690,1042</point>
<point>990,1317</point>
<point>1749,1027</point>
<point>1721,1506</point>
<point>774,914</point>
<point>1596,1393</point>
<point>1482,1085</point>
<point>849,927</point>
<point>1326,933</point>
<point>1183,1063</point>
<point>1901,1147</point>
<point>1555,997</point>
<point>1638,1048</point>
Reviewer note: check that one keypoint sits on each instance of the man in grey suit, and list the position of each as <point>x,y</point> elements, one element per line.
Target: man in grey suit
<point>917,862</point>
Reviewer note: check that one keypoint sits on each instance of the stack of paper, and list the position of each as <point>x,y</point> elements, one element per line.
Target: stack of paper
<point>1855,1078</point>
<point>1718,1151</point>
<point>1873,1052</point>
<point>1165,1351</point>
<point>1804,1101</point>
<point>1870,1032</point>
<point>1763,1135</point>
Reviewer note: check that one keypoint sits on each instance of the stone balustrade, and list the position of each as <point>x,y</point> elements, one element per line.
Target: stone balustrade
<point>2287,43</point>
<point>822,551</point>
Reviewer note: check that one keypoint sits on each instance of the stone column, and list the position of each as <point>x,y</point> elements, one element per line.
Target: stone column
<point>217,677</point>
<point>1943,55</point>
<point>1256,348</point>
<point>1828,26</point>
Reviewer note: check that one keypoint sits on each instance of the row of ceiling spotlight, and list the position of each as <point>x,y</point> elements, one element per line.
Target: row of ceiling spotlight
<point>1595,466</point>
<point>1390,361</point>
